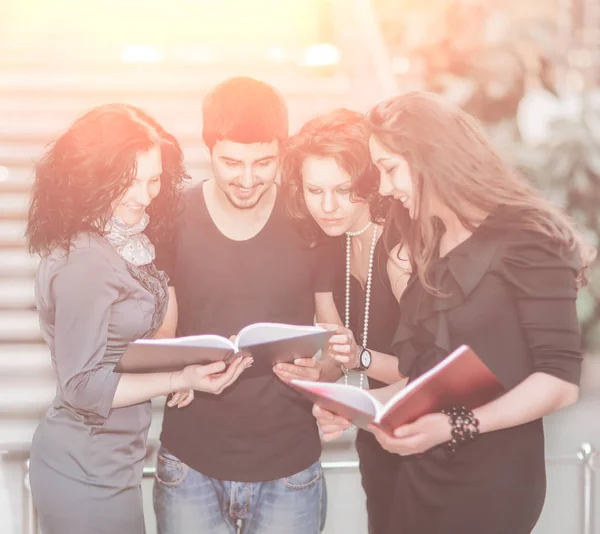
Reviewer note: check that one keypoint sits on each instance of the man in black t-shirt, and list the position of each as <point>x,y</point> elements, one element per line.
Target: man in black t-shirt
<point>250,455</point>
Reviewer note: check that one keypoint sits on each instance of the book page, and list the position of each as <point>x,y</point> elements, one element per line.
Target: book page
<point>168,355</point>
<point>259,333</point>
<point>353,397</point>
<point>204,341</point>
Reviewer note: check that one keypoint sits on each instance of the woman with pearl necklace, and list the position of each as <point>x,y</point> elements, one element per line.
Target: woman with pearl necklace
<point>330,186</point>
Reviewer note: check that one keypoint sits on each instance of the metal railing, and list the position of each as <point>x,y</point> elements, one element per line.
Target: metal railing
<point>588,459</point>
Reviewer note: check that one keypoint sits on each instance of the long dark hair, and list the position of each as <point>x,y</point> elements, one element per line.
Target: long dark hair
<point>90,166</point>
<point>450,158</point>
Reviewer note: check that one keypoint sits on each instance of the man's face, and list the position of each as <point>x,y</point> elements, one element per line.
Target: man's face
<point>244,172</point>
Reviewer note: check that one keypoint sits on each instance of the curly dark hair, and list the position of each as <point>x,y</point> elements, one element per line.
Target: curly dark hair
<point>90,166</point>
<point>340,134</point>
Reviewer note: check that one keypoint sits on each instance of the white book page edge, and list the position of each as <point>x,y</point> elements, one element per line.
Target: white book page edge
<point>203,341</point>
<point>352,396</point>
<point>257,333</point>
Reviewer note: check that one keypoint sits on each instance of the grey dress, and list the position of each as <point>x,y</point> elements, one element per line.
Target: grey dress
<point>86,457</point>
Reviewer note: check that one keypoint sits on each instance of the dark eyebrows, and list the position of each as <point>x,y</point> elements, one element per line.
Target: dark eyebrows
<point>232,160</point>
<point>347,183</point>
<point>266,158</point>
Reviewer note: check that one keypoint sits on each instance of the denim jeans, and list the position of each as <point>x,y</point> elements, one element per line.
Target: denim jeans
<point>188,502</point>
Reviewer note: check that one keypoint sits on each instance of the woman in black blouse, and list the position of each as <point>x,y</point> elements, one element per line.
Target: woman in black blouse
<point>496,267</point>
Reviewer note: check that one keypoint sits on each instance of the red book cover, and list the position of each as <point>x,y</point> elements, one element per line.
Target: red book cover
<point>459,379</point>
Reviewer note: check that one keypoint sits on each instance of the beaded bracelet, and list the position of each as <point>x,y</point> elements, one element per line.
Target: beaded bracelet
<point>465,427</point>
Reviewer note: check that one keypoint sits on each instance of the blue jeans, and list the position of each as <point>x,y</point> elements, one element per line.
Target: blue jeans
<point>188,502</point>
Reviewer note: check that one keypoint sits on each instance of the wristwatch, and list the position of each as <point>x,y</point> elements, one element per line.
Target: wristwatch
<point>364,359</point>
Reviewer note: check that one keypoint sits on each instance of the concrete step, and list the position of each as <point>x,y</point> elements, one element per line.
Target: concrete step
<point>28,126</point>
<point>12,234</point>
<point>17,294</point>
<point>24,360</point>
<point>27,397</point>
<point>17,263</point>
<point>154,79</point>
<point>14,205</point>
<point>19,154</point>
<point>31,397</point>
<point>18,177</point>
<point>25,127</point>
<point>19,326</point>
<point>13,178</point>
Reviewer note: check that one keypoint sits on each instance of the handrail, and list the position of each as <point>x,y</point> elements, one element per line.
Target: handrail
<point>587,457</point>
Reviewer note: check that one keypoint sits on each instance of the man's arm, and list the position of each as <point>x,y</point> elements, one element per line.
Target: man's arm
<point>168,328</point>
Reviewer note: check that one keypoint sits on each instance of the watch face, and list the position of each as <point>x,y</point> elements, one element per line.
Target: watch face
<point>365,358</point>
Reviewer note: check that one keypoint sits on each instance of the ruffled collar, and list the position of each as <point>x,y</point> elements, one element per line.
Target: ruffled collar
<point>423,334</point>
<point>129,241</point>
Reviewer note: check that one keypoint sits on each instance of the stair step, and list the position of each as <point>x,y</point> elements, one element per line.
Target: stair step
<point>152,80</point>
<point>14,205</point>
<point>25,360</point>
<point>11,176</point>
<point>33,397</point>
<point>27,126</point>
<point>20,177</point>
<point>17,263</point>
<point>19,326</point>
<point>26,398</point>
<point>12,234</point>
<point>26,154</point>
<point>17,294</point>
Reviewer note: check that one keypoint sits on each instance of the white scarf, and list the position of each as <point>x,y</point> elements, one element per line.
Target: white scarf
<point>129,240</point>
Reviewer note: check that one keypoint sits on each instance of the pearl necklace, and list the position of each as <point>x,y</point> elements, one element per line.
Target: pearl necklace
<point>349,236</point>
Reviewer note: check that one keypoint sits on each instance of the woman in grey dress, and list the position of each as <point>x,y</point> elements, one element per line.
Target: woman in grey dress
<point>103,193</point>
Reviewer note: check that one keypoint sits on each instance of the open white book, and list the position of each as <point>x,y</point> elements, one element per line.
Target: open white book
<point>460,379</point>
<point>268,343</point>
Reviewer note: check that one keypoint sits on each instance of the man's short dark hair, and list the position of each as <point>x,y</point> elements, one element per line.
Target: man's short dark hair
<point>244,110</point>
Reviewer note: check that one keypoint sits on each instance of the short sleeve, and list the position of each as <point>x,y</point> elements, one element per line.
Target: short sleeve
<point>166,249</point>
<point>323,262</point>
<point>544,279</point>
<point>166,252</point>
<point>83,290</point>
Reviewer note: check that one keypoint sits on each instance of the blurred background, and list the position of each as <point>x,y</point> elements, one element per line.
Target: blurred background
<point>529,70</point>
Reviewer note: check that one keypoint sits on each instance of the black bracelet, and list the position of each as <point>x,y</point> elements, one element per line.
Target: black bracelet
<point>465,427</point>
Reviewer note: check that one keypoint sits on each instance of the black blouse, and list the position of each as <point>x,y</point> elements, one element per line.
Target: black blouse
<point>510,295</point>
<point>383,310</point>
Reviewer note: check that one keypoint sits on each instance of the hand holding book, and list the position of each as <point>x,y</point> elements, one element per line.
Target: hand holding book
<point>460,379</point>
<point>268,343</point>
<point>299,369</point>
<point>332,426</point>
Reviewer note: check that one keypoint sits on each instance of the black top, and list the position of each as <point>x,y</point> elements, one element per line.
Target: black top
<point>377,466</point>
<point>258,429</point>
<point>512,299</point>
<point>384,310</point>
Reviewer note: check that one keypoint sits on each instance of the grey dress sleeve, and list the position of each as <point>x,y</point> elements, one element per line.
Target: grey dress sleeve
<point>83,290</point>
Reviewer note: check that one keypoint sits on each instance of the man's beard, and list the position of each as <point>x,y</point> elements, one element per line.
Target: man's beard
<point>245,203</point>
